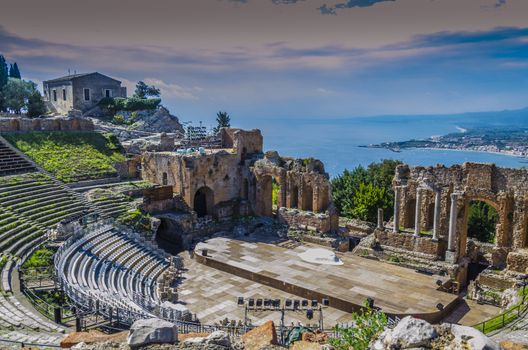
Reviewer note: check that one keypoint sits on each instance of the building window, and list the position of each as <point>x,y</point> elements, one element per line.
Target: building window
<point>108,93</point>
<point>64,94</point>
<point>55,95</point>
<point>87,94</point>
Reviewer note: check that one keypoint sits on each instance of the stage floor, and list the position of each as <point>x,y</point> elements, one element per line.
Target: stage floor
<point>212,295</point>
<point>396,290</point>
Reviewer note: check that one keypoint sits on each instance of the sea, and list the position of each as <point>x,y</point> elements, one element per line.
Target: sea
<point>338,142</point>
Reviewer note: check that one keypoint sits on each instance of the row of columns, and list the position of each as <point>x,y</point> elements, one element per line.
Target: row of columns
<point>453,214</point>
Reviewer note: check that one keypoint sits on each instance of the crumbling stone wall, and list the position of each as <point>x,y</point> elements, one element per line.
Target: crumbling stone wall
<point>238,180</point>
<point>47,124</point>
<point>438,198</point>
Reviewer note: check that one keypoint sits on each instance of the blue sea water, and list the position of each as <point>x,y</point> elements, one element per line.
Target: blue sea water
<point>337,142</point>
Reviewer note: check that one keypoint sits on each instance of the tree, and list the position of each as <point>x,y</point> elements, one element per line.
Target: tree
<point>4,75</point>
<point>482,221</point>
<point>14,72</point>
<point>144,91</point>
<point>367,200</point>
<point>35,105</point>
<point>223,120</point>
<point>346,186</point>
<point>17,93</point>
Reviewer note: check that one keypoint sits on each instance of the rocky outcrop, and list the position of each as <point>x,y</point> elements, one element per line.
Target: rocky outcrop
<point>159,120</point>
<point>412,333</point>
<point>219,338</point>
<point>138,124</point>
<point>152,331</point>
<point>260,337</point>
<point>409,333</point>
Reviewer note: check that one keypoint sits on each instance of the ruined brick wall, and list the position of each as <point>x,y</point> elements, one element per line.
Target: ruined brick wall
<point>304,220</point>
<point>218,172</point>
<point>504,189</point>
<point>46,124</point>
<point>422,244</point>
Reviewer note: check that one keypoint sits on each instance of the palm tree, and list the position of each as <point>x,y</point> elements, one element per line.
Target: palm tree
<point>223,120</point>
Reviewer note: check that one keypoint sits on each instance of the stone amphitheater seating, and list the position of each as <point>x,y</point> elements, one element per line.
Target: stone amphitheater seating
<point>115,268</point>
<point>13,163</point>
<point>30,204</point>
<point>112,206</point>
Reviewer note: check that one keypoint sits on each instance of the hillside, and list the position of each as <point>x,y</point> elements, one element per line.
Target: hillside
<point>71,156</point>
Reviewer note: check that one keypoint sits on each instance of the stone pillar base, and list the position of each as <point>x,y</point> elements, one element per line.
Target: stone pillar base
<point>450,257</point>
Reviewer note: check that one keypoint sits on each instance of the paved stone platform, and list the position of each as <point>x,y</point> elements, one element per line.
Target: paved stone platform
<point>397,290</point>
<point>212,294</point>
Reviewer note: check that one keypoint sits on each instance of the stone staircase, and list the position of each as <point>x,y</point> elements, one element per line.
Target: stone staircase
<point>12,162</point>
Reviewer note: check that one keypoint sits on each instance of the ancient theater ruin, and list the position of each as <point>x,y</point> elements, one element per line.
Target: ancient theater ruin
<point>216,231</point>
<point>430,221</point>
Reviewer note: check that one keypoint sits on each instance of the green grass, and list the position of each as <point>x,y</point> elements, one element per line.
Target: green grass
<point>3,261</point>
<point>42,257</point>
<point>71,156</point>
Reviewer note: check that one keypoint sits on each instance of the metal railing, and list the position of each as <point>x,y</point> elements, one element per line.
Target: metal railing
<point>503,319</point>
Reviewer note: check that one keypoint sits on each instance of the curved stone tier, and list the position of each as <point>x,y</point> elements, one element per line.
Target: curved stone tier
<point>115,273</point>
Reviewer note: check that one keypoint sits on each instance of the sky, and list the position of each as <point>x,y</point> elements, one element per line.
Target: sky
<point>284,58</point>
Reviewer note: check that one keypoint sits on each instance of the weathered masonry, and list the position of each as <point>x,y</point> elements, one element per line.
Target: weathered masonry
<point>80,91</point>
<point>239,179</point>
<point>431,212</point>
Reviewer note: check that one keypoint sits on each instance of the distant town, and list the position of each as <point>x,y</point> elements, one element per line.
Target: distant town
<point>511,141</point>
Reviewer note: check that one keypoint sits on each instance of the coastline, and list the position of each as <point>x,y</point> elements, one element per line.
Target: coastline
<point>459,150</point>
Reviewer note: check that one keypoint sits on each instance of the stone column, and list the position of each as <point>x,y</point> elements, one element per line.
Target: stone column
<point>380,218</point>
<point>418,212</point>
<point>437,209</point>
<point>397,196</point>
<point>453,213</point>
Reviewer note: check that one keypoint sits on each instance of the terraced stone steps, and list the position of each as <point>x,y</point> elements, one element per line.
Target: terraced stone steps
<point>13,163</point>
<point>114,265</point>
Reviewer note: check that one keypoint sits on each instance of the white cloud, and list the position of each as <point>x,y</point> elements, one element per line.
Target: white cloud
<point>174,90</point>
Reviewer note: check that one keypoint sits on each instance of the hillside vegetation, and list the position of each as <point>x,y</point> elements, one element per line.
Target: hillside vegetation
<point>71,156</point>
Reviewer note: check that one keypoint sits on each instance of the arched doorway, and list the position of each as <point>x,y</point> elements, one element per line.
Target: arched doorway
<point>430,216</point>
<point>482,221</point>
<point>170,236</point>
<point>294,197</point>
<point>307,198</point>
<point>481,226</point>
<point>410,212</point>
<point>203,201</point>
<point>245,189</point>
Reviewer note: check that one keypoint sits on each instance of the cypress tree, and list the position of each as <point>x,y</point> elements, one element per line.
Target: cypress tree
<point>3,82</point>
<point>14,72</point>
<point>3,72</point>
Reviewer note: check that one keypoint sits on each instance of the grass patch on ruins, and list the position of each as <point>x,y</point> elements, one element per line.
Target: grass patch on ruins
<point>71,156</point>
<point>41,258</point>
<point>3,261</point>
<point>136,219</point>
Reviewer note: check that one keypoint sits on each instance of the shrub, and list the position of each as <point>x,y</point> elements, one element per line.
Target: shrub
<point>118,119</point>
<point>42,257</point>
<point>136,219</point>
<point>366,188</point>
<point>112,105</point>
<point>367,325</point>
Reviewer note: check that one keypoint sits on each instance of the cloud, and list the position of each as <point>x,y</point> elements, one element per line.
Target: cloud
<point>331,10</point>
<point>174,90</point>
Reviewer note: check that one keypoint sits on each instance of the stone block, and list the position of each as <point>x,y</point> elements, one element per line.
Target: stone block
<point>152,331</point>
<point>260,337</point>
<point>305,345</point>
<point>91,337</point>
